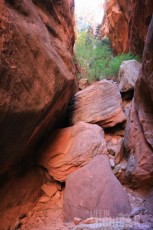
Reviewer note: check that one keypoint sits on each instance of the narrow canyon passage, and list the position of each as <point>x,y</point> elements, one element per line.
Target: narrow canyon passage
<point>76,115</point>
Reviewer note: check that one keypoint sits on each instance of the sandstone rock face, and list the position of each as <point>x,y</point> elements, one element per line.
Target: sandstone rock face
<point>144,89</point>
<point>37,72</point>
<point>126,24</point>
<point>99,104</point>
<point>140,164</point>
<point>139,135</point>
<point>94,188</point>
<point>70,148</point>
<point>128,75</point>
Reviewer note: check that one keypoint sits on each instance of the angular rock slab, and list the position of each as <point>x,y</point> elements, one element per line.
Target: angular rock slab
<point>128,75</point>
<point>70,148</point>
<point>99,104</point>
<point>94,190</point>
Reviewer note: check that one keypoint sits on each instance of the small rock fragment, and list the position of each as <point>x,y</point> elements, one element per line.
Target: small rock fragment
<point>49,189</point>
<point>76,220</point>
<point>44,199</point>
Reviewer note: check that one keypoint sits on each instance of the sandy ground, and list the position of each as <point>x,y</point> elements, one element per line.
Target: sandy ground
<point>46,216</point>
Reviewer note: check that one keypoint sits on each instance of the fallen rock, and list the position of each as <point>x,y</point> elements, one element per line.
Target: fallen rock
<point>44,199</point>
<point>93,191</point>
<point>128,75</point>
<point>99,104</point>
<point>49,189</point>
<point>112,163</point>
<point>76,220</point>
<point>70,148</point>
<point>136,211</point>
<point>115,147</point>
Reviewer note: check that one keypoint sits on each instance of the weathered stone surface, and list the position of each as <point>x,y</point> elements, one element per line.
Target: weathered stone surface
<point>37,72</point>
<point>128,75</point>
<point>140,164</point>
<point>126,24</point>
<point>70,148</point>
<point>99,104</point>
<point>91,190</point>
<point>139,135</point>
<point>144,89</point>
<point>36,83</point>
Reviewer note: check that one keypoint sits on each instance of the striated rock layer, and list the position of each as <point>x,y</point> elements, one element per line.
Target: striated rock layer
<point>99,104</point>
<point>126,24</point>
<point>139,135</point>
<point>36,72</point>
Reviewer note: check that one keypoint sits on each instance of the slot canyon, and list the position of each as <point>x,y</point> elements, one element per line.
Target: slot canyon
<point>75,153</point>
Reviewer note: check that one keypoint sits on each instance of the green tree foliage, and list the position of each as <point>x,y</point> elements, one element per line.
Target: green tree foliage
<point>96,56</point>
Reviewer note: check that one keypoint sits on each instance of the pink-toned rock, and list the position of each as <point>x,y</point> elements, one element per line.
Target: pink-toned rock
<point>99,104</point>
<point>44,199</point>
<point>115,147</point>
<point>140,163</point>
<point>70,148</point>
<point>49,189</point>
<point>128,75</point>
<point>93,190</point>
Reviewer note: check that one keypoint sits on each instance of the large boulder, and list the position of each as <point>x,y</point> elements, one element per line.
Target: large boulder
<point>37,73</point>
<point>70,148</point>
<point>139,135</point>
<point>128,75</point>
<point>99,104</point>
<point>93,190</point>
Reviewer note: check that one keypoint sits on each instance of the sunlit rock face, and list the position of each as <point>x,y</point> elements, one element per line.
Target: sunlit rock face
<point>36,72</point>
<point>126,24</point>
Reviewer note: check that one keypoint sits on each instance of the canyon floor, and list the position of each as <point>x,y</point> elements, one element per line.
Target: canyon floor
<point>49,215</point>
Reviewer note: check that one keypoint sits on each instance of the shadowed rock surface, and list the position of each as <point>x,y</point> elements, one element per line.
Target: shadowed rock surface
<point>94,188</point>
<point>70,148</point>
<point>139,135</point>
<point>37,73</point>
<point>37,79</point>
